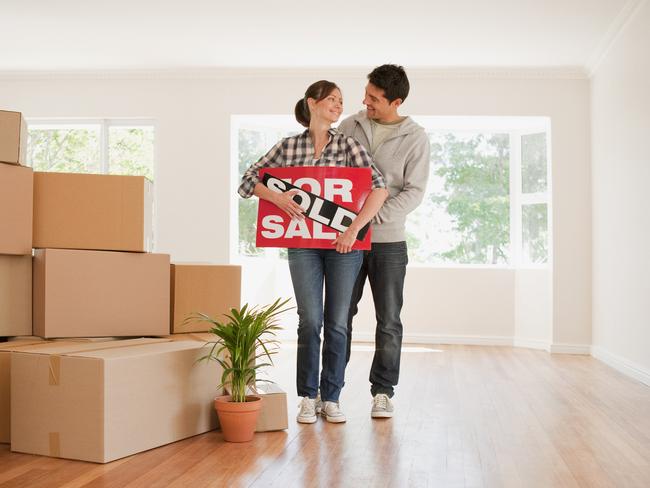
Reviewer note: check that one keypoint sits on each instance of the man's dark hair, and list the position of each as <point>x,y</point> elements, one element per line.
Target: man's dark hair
<point>392,79</point>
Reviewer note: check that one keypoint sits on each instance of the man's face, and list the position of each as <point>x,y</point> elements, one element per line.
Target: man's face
<point>378,106</point>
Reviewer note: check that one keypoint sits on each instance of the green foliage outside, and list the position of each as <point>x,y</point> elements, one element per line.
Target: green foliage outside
<point>533,163</point>
<point>77,150</point>
<point>64,150</point>
<point>477,196</point>
<point>465,216</point>
<point>131,151</point>
<point>535,233</point>
<point>251,149</point>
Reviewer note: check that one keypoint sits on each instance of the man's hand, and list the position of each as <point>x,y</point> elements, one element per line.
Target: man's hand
<point>284,201</point>
<point>345,241</point>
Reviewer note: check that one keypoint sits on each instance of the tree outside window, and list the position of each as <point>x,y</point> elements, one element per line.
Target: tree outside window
<point>108,147</point>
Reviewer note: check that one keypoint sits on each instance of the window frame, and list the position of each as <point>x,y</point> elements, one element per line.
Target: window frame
<point>104,127</point>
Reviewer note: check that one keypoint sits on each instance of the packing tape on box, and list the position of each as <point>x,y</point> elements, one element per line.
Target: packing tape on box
<point>102,346</point>
<point>55,370</point>
<point>55,444</point>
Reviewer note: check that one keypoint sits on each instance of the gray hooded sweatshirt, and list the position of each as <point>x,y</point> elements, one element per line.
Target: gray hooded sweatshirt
<point>403,159</point>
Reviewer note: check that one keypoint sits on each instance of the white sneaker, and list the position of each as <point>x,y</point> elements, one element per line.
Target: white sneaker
<point>332,412</point>
<point>307,412</point>
<point>319,403</point>
<point>382,407</point>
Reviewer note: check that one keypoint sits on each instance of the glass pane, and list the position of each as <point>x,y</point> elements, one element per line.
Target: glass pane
<point>130,151</point>
<point>253,144</point>
<point>69,150</point>
<point>534,220</point>
<point>251,148</point>
<point>533,163</point>
<point>464,217</point>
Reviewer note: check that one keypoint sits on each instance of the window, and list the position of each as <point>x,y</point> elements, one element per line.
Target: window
<point>534,198</point>
<point>124,147</point>
<point>253,136</point>
<point>464,217</point>
<point>487,199</point>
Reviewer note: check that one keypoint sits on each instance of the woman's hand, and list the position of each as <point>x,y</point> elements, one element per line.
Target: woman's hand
<point>345,241</point>
<point>284,201</point>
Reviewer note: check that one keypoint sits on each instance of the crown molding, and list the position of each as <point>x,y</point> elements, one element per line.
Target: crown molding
<point>616,29</point>
<point>217,73</point>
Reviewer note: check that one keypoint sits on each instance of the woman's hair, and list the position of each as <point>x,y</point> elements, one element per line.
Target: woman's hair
<point>318,91</point>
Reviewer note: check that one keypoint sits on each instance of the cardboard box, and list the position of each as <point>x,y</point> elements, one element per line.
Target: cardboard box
<point>5,381</point>
<point>273,415</point>
<point>100,294</point>
<point>13,137</point>
<point>6,348</point>
<point>100,212</point>
<point>16,209</point>
<point>15,295</point>
<point>209,289</point>
<point>104,404</point>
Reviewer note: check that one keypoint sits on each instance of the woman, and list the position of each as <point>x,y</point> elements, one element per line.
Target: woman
<point>320,145</point>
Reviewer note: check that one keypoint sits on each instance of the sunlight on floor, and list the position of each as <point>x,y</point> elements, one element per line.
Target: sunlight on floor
<point>368,347</point>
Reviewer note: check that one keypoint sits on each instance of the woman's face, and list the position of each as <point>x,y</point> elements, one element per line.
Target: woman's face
<point>330,108</point>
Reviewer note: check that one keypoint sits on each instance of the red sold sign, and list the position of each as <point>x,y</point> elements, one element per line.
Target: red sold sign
<point>330,196</point>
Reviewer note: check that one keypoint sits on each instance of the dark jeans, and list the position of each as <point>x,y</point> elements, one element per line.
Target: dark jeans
<point>385,267</point>
<point>309,269</point>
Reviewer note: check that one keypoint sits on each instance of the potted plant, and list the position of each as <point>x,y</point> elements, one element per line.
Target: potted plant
<point>247,335</point>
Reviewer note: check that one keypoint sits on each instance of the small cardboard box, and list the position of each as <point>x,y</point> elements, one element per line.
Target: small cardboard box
<point>5,381</point>
<point>100,294</point>
<point>209,289</point>
<point>13,137</point>
<point>16,209</point>
<point>273,415</point>
<point>15,295</point>
<point>100,212</point>
<point>106,403</point>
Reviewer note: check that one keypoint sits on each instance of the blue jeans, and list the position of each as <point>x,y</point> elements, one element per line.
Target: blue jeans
<point>385,267</point>
<point>310,268</point>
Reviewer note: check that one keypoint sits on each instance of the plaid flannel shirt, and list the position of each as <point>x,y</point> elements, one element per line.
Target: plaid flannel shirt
<point>341,150</point>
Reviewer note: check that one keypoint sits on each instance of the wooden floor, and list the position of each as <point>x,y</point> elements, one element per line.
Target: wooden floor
<point>466,416</point>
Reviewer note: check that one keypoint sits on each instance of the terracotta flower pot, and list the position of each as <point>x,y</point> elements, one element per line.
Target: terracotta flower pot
<point>238,419</point>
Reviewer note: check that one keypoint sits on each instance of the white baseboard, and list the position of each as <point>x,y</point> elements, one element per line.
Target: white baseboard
<point>532,344</point>
<point>560,348</point>
<point>623,365</point>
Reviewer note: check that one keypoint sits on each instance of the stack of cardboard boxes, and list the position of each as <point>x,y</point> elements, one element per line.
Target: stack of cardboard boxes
<point>93,275</point>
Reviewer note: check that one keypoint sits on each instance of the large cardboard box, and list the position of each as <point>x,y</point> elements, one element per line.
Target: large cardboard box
<point>100,293</point>
<point>16,209</point>
<point>104,404</point>
<point>6,348</point>
<point>13,137</point>
<point>209,289</point>
<point>100,212</point>
<point>273,415</point>
<point>15,295</point>
<point>5,381</point>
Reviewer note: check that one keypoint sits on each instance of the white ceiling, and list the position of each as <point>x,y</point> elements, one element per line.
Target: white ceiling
<point>161,34</point>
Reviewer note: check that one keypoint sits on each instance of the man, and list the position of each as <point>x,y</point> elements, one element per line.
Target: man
<point>400,149</point>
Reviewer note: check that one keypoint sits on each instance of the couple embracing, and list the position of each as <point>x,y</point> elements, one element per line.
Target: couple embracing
<point>396,150</point>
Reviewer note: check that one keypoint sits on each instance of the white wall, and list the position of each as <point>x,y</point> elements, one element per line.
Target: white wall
<point>621,219</point>
<point>533,308</point>
<point>193,111</point>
